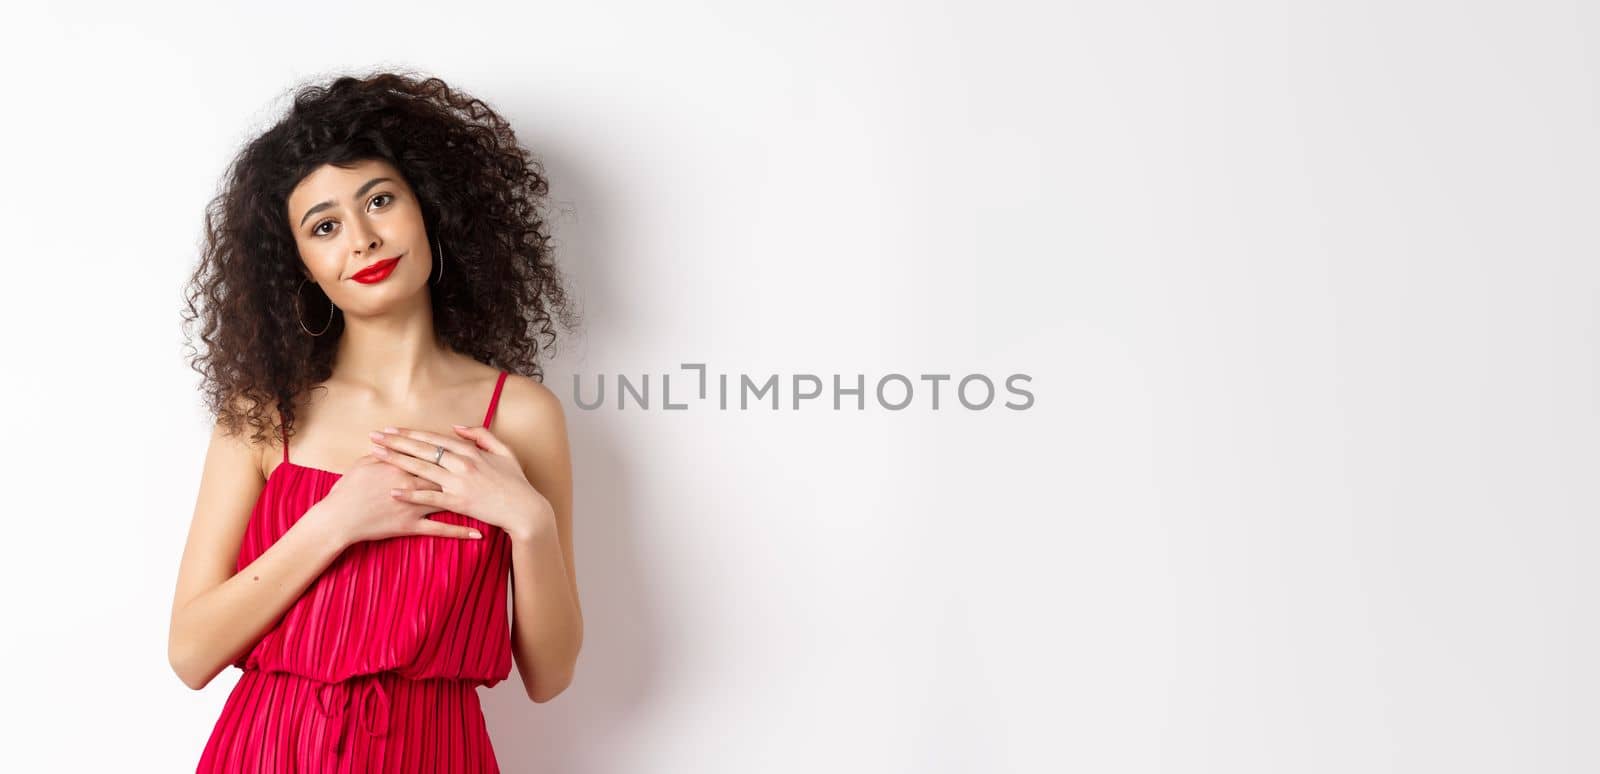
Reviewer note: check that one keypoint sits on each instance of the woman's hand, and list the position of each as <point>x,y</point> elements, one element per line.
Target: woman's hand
<point>477,476</point>
<point>358,506</point>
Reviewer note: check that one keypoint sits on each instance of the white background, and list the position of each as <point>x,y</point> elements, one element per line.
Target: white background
<point>1305,289</point>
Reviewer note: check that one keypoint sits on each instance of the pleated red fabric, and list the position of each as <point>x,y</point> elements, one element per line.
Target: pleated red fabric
<point>375,668</point>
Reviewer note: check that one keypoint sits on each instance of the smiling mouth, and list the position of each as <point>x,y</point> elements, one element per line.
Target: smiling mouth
<point>376,271</point>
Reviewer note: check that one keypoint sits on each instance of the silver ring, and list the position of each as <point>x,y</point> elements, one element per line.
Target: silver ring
<point>438,456</point>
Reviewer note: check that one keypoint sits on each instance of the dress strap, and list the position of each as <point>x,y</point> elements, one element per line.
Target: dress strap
<point>494,400</point>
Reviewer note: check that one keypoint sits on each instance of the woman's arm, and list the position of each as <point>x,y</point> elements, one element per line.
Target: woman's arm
<point>547,619</point>
<point>216,613</point>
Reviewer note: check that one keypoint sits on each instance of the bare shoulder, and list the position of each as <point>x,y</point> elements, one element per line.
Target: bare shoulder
<point>528,410</point>
<point>531,420</point>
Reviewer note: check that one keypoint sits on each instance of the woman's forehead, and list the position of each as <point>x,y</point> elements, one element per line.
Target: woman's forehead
<point>331,182</point>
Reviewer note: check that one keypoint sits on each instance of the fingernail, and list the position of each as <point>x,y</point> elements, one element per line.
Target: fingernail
<point>390,430</point>
<point>459,427</point>
<point>396,492</point>
<point>475,534</point>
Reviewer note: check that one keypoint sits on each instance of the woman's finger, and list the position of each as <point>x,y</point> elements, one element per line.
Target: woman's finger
<point>434,498</point>
<point>404,451</point>
<point>421,443</point>
<point>404,462</point>
<point>427,526</point>
<point>485,439</point>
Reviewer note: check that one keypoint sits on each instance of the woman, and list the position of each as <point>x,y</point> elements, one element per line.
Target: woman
<point>367,259</point>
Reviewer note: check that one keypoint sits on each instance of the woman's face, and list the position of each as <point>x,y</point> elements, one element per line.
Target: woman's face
<point>349,223</point>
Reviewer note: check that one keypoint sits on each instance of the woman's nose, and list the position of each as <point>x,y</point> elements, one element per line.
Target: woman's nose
<point>365,239</point>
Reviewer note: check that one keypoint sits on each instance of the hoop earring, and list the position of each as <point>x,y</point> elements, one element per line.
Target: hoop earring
<point>300,318</point>
<point>439,251</point>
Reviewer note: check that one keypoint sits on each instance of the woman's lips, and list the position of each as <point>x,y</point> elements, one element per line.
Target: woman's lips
<point>376,272</point>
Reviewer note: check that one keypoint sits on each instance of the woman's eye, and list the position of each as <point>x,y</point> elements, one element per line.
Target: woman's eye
<point>317,229</point>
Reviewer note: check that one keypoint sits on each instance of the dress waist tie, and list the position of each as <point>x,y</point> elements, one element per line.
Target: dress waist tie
<point>371,702</point>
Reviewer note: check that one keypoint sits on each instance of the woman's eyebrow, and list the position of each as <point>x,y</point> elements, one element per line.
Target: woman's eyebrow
<point>316,208</point>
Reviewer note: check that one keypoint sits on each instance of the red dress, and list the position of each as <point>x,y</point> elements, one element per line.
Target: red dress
<point>375,667</point>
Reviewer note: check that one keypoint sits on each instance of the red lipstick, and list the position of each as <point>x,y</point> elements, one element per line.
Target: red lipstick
<point>376,272</point>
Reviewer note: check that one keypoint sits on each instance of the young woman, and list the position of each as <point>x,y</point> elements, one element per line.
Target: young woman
<point>375,280</point>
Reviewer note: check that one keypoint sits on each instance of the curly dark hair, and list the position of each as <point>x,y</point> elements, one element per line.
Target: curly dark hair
<point>480,192</point>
